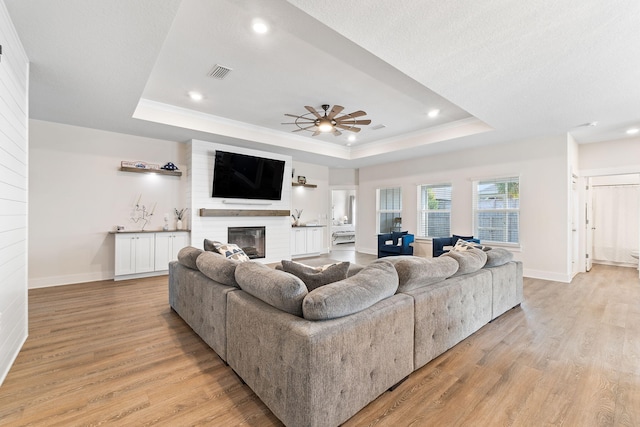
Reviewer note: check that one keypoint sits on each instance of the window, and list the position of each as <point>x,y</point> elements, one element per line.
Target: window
<point>389,209</point>
<point>434,216</point>
<point>496,206</point>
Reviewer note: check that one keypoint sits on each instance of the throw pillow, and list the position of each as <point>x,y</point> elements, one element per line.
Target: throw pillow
<point>314,277</point>
<point>463,245</point>
<point>231,251</point>
<point>210,245</point>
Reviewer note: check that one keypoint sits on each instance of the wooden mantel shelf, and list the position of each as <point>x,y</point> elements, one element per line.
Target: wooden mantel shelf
<point>243,212</point>
<point>297,184</point>
<point>158,171</point>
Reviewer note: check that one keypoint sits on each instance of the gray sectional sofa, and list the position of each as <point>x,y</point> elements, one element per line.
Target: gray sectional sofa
<point>316,358</point>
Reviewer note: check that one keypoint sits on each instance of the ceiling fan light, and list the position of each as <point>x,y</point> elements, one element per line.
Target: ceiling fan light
<point>324,125</point>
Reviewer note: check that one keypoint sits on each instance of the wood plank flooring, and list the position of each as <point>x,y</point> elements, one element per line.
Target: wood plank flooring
<point>114,353</point>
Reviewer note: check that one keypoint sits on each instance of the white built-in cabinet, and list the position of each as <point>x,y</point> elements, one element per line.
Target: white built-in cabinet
<point>148,253</point>
<point>307,240</point>
<point>167,247</point>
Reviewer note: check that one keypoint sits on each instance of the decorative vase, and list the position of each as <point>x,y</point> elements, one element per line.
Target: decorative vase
<point>179,224</point>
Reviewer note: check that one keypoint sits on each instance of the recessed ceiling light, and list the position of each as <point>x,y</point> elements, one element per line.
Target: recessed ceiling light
<point>259,26</point>
<point>196,96</point>
<point>433,113</point>
<point>632,131</point>
<point>351,138</point>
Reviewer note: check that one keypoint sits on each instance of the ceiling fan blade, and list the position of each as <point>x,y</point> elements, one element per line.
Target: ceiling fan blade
<point>316,133</point>
<point>350,128</point>
<point>336,132</point>
<point>335,111</point>
<point>358,113</point>
<point>307,128</point>
<point>362,122</point>
<point>313,111</point>
<point>299,117</point>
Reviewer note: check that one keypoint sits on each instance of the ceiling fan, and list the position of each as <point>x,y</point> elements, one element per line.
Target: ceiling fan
<point>314,122</point>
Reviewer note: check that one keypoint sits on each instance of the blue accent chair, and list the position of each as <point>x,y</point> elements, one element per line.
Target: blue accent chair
<point>438,243</point>
<point>404,248</point>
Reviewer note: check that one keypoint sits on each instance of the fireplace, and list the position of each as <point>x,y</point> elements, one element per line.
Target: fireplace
<point>250,239</point>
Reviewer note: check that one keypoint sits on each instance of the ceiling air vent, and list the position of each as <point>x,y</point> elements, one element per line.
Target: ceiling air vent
<point>219,72</point>
<point>380,126</point>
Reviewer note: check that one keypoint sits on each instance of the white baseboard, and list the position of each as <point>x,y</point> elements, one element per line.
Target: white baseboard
<point>45,282</point>
<point>547,275</point>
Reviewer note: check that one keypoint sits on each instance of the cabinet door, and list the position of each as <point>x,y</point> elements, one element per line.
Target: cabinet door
<point>125,254</point>
<point>145,252</point>
<point>180,240</point>
<point>314,240</point>
<point>164,248</point>
<point>298,241</point>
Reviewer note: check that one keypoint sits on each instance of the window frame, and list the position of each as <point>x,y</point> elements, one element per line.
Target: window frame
<point>506,211</point>
<point>423,226</point>
<point>380,211</point>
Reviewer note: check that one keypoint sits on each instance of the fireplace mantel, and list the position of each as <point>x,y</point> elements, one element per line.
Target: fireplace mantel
<point>243,212</point>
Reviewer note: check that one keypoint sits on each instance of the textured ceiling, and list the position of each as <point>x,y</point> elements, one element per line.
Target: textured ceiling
<point>499,70</point>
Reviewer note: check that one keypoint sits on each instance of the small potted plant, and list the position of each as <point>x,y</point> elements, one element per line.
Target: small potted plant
<point>180,214</point>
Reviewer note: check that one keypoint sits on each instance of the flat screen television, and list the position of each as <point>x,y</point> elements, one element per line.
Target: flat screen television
<point>239,176</point>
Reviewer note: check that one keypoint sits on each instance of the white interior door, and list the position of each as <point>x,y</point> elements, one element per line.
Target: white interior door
<point>589,224</point>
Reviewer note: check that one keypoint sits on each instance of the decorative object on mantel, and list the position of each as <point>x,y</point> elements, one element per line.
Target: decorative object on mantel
<point>296,217</point>
<point>180,214</point>
<point>139,165</point>
<point>302,179</point>
<point>140,213</point>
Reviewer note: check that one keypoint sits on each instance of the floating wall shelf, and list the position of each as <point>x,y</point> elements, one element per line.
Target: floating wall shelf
<point>297,184</point>
<point>158,171</point>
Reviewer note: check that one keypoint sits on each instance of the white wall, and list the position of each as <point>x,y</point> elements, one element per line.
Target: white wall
<point>542,167</point>
<point>78,194</point>
<point>610,157</point>
<point>14,166</point>
<point>200,158</point>
<point>343,177</point>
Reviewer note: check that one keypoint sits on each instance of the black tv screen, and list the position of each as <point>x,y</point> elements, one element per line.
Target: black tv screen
<point>239,176</point>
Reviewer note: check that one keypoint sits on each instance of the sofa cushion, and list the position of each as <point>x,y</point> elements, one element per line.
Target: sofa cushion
<point>188,255</point>
<point>217,267</point>
<point>314,277</point>
<point>415,272</point>
<point>375,282</point>
<point>277,288</point>
<point>468,261</point>
<point>498,256</point>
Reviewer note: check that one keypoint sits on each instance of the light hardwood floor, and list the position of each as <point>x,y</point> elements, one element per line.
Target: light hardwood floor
<point>114,353</point>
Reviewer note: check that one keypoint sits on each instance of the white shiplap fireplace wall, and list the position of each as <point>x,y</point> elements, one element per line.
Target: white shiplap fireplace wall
<point>200,161</point>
